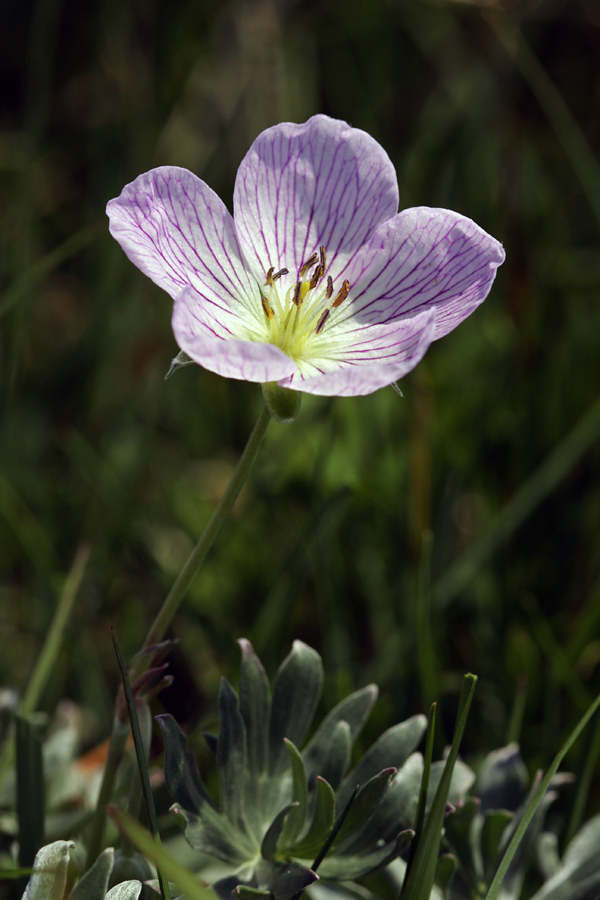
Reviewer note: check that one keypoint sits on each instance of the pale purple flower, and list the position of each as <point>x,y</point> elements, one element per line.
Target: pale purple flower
<point>316,282</point>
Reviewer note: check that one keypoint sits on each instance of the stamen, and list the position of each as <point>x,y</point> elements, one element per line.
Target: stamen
<point>329,291</point>
<point>308,264</point>
<point>322,321</point>
<point>297,296</point>
<point>323,259</point>
<point>268,310</point>
<point>342,294</point>
<point>316,277</point>
<point>269,280</point>
<point>280,273</point>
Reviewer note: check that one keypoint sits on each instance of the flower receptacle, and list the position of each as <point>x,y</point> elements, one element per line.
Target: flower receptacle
<point>283,403</point>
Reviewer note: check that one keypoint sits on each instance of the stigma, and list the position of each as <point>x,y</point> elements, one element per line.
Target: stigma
<point>298,314</point>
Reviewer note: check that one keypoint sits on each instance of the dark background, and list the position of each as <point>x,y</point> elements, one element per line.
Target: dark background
<point>491,110</point>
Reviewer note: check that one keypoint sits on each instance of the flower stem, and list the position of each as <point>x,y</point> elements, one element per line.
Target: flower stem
<point>198,554</point>
<point>165,617</point>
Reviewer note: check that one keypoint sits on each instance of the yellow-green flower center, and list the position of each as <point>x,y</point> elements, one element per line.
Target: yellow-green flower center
<point>297,317</point>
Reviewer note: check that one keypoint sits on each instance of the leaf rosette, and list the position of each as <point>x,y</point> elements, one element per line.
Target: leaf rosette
<point>286,812</point>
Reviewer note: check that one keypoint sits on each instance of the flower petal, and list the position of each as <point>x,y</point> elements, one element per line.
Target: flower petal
<point>175,229</point>
<point>233,358</point>
<point>422,258</point>
<point>303,186</point>
<point>379,355</point>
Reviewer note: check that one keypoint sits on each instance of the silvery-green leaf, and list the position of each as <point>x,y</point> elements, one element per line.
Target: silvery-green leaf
<point>462,779</point>
<point>49,874</point>
<point>255,708</point>
<point>392,749</point>
<point>245,892</point>
<point>321,823</point>
<point>295,821</point>
<point>502,780</point>
<point>345,867</point>
<point>459,834</point>
<point>548,859</point>
<point>583,853</point>
<point>296,692</point>
<point>367,799</point>
<point>514,877</point>
<point>231,755</point>
<point>268,848</point>
<point>444,873</point>
<point>213,833</point>
<point>127,890</point>
<point>579,876</point>
<point>290,879</point>
<point>397,809</point>
<point>493,830</point>
<point>228,886</point>
<point>354,710</point>
<point>335,758</point>
<point>181,772</point>
<point>93,885</point>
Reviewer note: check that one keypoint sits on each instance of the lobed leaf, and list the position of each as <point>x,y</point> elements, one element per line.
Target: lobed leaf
<point>363,807</point>
<point>336,755</point>
<point>297,817</point>
<point>268,847</point>
<point>182,777</point>
<point>353,710</point>
<point>174,870</point>
<point>296,692</point>
<point>213,833</point>
<point>231,755</point>
<point>255,708</point>
<point>94,884</point>
<point>127,890</point>
<point>321,823</point>
<point>392,749</point>
<point>290,879</point>
<point>49,875</point>
<point>396,810</point>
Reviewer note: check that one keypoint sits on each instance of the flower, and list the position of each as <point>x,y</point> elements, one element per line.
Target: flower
<point>316,282</point>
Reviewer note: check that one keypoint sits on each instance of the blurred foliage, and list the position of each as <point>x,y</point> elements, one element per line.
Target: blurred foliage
<point>326,542</point>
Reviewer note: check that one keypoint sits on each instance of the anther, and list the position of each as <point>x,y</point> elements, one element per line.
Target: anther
<point>280,273</point>
<point>308,264</point>
<point>268,310</point>
<point>323,259</point>
<point>329,291</point>
<point>297,295</point>
<point>269,280</point>
<point>322,321</point>
<point>342,294</point>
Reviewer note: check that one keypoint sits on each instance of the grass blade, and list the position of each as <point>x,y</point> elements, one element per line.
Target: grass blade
<point>141,760</point>
<point>496,884</point>
<point>186,881</point>
<point>419,882</point>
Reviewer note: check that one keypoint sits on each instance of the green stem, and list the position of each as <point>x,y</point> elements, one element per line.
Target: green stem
<point>54,639</point>
<point>165,617</point>
<point>197,556</point>
<point>40,676</point>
